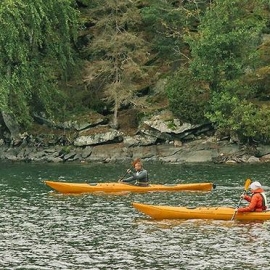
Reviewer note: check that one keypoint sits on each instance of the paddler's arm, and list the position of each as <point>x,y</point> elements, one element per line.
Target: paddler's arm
<point>131,178</point>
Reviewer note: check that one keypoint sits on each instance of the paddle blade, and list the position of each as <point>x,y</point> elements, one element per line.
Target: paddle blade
<point>247,184</point>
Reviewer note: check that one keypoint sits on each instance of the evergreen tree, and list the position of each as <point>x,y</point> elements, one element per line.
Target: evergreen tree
<point>166,23</point>
<point>117,53</point>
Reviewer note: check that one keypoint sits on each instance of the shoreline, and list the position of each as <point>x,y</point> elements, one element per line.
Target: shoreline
<point>197,151</point>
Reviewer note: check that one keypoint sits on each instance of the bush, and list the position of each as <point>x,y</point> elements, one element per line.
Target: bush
<point>188,98</point>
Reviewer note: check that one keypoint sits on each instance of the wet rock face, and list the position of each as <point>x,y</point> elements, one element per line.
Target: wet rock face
<point>158,138</point>
<point>192,152</point>
<point>99,138</point>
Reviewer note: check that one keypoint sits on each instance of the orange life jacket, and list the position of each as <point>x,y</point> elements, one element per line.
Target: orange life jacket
<point>257,202</point>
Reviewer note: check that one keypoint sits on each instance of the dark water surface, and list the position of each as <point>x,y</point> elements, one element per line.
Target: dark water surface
<point>43,230</point>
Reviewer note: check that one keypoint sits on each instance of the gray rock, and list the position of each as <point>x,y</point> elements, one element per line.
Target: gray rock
<point>98,138</point>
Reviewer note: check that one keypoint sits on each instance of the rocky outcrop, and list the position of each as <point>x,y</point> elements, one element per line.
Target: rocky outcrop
<point>159,138</point>
<point>190,152</point>
<point>99,138</point>
<point>14,132</point>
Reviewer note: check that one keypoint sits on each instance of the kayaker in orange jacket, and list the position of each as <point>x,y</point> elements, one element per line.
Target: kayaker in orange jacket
<point>257,201</point>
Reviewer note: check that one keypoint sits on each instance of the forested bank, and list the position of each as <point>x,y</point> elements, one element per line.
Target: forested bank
<point>205,61</point>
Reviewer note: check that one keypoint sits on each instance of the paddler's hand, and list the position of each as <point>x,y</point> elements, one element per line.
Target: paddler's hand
<point>120,181</point>
<point>128,170</point>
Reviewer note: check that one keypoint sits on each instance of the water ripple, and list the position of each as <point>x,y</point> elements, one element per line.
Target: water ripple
<point>44,230</point>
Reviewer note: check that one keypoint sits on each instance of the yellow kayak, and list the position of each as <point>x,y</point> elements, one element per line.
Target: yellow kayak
<point>75,188</point>
<point>159,212</point>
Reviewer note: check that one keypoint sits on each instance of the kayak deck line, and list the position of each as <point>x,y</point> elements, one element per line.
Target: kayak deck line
<point>115,187</point>
<point>159,212</point>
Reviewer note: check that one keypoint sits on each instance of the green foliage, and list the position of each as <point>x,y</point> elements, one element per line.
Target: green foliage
<point>226,43</point>
<point>188,99</point>
<point>224,66</point>
<point>65,150</point>
<point>224,51</point>
<point>170,124</point>
<point>165,24</point>
<point>35,42</point>
<point>243,117</point>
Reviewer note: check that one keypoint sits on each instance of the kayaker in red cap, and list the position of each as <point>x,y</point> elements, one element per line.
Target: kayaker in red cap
<point>257,201</point>
<point>139,177</point>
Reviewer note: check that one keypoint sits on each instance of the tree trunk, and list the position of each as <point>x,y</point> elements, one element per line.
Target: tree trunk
<point>115,114</point>
<point>12,125</point>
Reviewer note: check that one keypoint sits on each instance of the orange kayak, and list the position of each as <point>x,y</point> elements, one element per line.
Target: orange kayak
<point>65,187</point>
<point>159,212</point>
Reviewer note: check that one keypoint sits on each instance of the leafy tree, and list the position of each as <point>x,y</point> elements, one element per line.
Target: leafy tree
<point>224,51</point>
<point>246,119</point>
<point>225,45</point>
<point>117,53</point>
<point>36,50</point>
<point>166,22</point>
<point>188,98</point>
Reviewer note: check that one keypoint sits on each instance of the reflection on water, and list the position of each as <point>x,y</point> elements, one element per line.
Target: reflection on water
<point>41,229</point>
